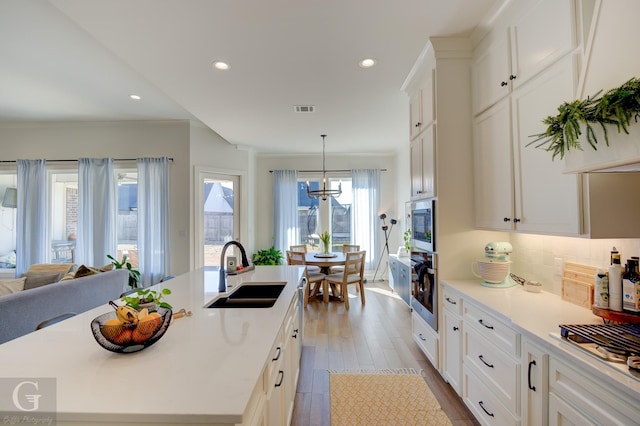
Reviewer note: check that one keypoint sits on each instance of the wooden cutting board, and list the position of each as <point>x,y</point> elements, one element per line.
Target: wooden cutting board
<point>578,282</point>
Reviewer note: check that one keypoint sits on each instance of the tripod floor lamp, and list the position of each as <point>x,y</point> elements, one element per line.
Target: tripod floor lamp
<point>386,230</point>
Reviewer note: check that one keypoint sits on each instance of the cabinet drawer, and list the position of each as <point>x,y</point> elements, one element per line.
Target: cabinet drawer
<point>485,406</point>
<point>426,338</point>
<point>451,300</point>
<point>499,372</point>
<point>492,329</point>
<point>602,405</point>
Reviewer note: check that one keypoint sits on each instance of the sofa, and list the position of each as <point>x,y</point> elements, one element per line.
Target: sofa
<point>22,311</point>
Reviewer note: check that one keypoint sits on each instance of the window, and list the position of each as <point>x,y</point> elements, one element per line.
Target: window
<point>316,215</point>
<point>7,221</point>
<point>64,216</point>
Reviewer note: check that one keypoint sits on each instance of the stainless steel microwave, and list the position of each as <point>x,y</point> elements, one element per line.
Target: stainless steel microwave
<point>422,225</point>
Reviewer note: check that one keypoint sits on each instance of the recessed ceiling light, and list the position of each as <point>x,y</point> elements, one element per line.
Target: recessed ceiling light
<point>135,97</point>
<point>367,63</point>
<point>221,65</point>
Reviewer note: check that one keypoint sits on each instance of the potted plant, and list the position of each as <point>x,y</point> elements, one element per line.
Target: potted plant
<point>325,237</point>
<point>269,256</point>
<point>134,274</point>
<point>404,251</point>
<point>148,298</point>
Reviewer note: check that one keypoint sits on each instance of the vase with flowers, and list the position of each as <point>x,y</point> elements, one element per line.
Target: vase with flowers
<point>325,237</point>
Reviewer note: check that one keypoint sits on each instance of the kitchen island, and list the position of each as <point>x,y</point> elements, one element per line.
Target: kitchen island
<point>213,367</point>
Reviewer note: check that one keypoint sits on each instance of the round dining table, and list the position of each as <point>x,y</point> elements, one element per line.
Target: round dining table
<point>325,262</point>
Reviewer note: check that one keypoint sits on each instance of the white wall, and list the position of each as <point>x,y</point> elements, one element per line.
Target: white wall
<point>125,139</point>
<point>264,188</point>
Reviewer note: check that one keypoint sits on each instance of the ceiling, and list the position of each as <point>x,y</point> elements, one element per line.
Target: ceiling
<point>78,60</point>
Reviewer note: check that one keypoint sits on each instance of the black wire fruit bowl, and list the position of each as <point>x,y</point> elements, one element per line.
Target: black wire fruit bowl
<point>117,336</point>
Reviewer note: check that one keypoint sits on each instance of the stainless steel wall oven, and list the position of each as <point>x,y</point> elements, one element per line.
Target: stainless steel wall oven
<point>424,286</point>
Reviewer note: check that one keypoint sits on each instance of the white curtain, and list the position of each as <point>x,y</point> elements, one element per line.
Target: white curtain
<point>97,210</point>
<point>31,236</point>
<point>364,212</point>
<point>285,189</point>
<point>153,219</point>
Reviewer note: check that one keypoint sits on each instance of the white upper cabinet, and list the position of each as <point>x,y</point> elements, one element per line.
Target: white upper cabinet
<point>518,187</point>
<point>540,36</point>
<point>423,164</point>
<point>530,37</point>
<point>421,106</point>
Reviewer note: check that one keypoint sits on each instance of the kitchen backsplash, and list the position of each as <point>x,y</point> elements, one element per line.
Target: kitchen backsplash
<point>534,256</point>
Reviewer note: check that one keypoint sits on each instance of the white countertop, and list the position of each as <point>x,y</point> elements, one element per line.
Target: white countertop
<point>538,316</point>
<point>204,369</point>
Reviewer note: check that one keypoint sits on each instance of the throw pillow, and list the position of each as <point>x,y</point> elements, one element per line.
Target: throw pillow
<point>38,279</point>
<point>84,270</point>
<point>68,276</point>
<point>11,286</point>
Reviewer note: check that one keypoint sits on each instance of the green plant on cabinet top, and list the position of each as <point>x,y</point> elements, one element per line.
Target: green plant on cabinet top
<point>616,107</point>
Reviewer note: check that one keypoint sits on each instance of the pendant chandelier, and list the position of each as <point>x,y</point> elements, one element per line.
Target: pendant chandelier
<point>323,192</point>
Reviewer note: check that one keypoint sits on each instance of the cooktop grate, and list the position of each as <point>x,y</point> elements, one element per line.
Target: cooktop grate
<point>615,337</point>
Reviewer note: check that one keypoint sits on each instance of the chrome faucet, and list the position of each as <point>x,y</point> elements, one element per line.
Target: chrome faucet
<point>222,281</point>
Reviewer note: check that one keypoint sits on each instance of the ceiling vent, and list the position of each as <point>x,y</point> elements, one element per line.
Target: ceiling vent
<point>304,108</point>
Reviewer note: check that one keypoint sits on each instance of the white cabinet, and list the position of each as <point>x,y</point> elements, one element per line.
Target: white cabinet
<point>452,339</point>
<point>421,110</point>
<point>425,337</point>
<point>574,395</point>
<point>517,49</point>
<point>517,187</point>
<point>535,384</point>
<point>491,367</point>
<point>423,164</point>
<point>281,373</point>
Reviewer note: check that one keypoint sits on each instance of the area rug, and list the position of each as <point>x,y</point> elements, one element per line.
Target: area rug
<point>383,397</point>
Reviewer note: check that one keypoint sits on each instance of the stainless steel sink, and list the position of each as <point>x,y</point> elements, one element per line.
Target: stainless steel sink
<point>251,295</point>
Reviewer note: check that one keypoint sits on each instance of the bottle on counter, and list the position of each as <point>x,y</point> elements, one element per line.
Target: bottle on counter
<point>631,287</point>
<point>601,296</point>
<point>615,282</point>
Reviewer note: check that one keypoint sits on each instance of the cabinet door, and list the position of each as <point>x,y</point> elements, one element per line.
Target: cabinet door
<point>421,106</point>
<point>490,74</point>
<point>493,183</point>
<point>415,113</point>
<point>393,272</point>
<point>452,357</point>
<point>403,287</point>
<point>416,168</point>
<point>547,200</point>
<point>535,385</point>
<point>534,49</point>
<point>562,414</point>
<point>428,162</point>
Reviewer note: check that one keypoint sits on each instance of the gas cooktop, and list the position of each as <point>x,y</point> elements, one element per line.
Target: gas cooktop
<point>616,345</point>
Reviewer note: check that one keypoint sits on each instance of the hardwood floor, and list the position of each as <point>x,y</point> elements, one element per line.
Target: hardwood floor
<point>375,336</point>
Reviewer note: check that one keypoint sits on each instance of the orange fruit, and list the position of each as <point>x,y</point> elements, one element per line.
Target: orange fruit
<point>124,337</point>
<point>150,323</point>
<point>111,329</point>
<point>138,336</point>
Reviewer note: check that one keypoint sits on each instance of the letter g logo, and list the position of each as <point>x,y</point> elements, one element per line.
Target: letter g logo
<point>32,398</point>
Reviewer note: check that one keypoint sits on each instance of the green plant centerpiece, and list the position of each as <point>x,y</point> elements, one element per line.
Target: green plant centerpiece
<point>145,296</point>
<point>269,257</point>
<point>134,274</point>
<point>617,107</point>
<point>325,237</point>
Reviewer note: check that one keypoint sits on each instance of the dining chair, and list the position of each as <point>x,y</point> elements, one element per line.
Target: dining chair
<point>54,320</point>
<point>303,248</point>
<point>346,248</point>
<point>314,279</point>
<point>353,273</point>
